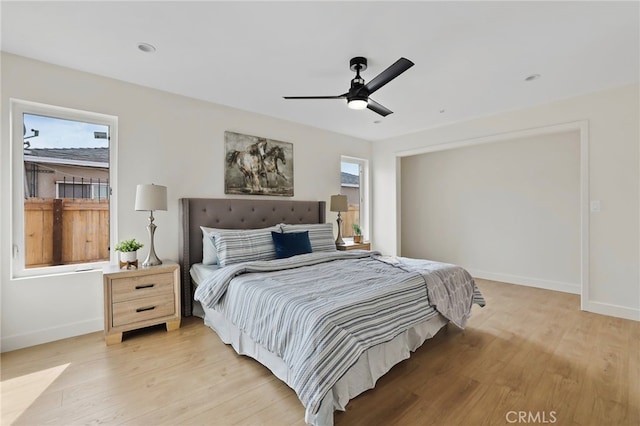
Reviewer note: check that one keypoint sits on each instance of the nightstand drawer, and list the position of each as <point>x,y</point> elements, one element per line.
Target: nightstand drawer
<point>131,288</point>
<point>138,310</point>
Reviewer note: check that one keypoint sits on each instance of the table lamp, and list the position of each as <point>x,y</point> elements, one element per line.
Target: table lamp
<point>339,204</point>
<point>150,198</point>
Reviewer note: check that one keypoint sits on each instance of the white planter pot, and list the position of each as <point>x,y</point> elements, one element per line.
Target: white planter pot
<point>128,256</point>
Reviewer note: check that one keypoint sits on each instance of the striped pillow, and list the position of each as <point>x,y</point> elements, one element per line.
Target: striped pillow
<point>320,235</point>
<point>235,246</point>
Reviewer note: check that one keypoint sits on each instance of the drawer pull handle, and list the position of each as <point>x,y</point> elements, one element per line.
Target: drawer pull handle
<point>140,287</point>
<point>148,308</point>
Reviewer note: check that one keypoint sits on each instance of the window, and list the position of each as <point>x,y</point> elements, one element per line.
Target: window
<point>82,189</point>
<point>63,162</point>
<point>353,184</point>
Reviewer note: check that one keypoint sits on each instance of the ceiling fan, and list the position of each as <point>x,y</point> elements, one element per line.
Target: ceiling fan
<point>358,95</point>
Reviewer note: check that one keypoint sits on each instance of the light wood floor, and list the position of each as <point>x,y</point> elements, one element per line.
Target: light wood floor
<point>529,351</point>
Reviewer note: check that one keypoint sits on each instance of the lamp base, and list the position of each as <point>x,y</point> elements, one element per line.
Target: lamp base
<point>152,258</point>
<point>151,261</point>
<point>339,240</point>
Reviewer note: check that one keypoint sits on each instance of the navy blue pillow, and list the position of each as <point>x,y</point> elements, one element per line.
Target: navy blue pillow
<point>290,244</point>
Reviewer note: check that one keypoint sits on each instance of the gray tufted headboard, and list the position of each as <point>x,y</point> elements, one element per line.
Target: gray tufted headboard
<point>231,213</point>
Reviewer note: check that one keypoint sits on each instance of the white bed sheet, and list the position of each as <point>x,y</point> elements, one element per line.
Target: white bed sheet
<point>371,365</point>
<point>199,272</point>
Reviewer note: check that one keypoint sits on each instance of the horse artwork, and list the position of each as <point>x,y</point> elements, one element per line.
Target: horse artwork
<point>257,166</point>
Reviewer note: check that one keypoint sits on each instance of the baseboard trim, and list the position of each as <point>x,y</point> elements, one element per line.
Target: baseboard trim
<point>528,281</point>
<point>19,341</point>
<point>612,310</point>
<point>589,306</point>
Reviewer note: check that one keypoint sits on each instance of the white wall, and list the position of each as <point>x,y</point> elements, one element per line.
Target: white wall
<point>164,139</point>
<point>613,174</point>
<point>508,210</point>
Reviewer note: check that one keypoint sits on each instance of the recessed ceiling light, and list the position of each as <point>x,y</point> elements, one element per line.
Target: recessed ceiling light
<point>146,47</point>
<point>532,77</point>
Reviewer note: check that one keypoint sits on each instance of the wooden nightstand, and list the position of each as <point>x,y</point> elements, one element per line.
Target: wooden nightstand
<point>350,245</point>
<point>136,298</point>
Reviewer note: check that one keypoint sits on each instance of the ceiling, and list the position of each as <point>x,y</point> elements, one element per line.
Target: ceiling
<point>471,58</point>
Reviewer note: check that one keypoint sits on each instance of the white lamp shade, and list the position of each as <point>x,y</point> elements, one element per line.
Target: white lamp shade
<point>151,197</point>
<point>357,104</point>
<point>339,203</point>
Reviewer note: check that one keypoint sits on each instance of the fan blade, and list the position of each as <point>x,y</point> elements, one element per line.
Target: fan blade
<point>400,66</point>
<point>376,107</point>
<point>343,96</point>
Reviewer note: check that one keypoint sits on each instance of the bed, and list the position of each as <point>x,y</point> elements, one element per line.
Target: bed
<point>339,339</point>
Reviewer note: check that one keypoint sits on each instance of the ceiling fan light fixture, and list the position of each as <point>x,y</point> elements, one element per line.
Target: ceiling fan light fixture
<point>358,95</point>
<point>357,103</point>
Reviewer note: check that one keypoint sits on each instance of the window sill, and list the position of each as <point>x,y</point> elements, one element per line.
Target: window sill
<point>56,271</point>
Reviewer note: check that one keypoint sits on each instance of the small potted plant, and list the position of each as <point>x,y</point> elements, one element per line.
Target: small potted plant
<point>129,250</point>
<point>357,233</point>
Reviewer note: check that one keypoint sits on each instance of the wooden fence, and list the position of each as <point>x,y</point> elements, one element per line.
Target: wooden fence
<point>349,218</point>
<point>65,231</point>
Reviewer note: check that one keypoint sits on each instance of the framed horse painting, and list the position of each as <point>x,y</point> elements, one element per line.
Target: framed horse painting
<point>257,166</point>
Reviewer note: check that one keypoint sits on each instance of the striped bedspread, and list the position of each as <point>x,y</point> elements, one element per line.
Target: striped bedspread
<point>320,311</point>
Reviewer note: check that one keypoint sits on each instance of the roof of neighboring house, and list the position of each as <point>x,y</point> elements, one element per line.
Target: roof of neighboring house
<point>89,157</point>
<point>347,179</point>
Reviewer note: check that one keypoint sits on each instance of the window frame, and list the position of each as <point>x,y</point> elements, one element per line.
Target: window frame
<point>18,108</point>
<point>365,195</point>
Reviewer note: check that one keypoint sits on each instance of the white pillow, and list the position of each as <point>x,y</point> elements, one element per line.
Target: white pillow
<point>320,235</point>
<point>235,246</point>
<point>209,255</point>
